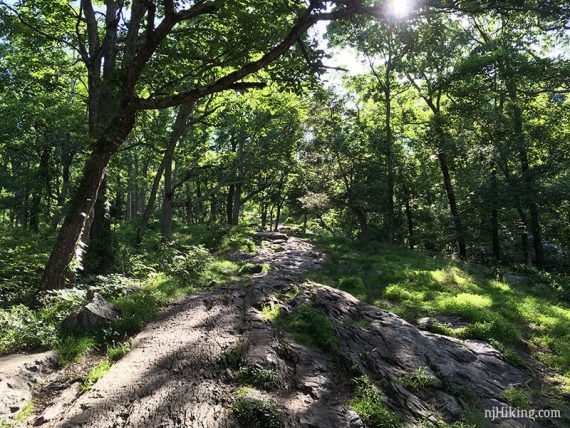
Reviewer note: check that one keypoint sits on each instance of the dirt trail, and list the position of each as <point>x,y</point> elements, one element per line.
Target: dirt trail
<point>181,369</point>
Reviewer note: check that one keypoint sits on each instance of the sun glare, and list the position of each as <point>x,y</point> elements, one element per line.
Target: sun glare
<point>399,8</point>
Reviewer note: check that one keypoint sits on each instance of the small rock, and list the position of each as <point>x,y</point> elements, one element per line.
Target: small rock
<point>272,236</point>
<point>97,313</point>
<point>455,323</point>
<point>516,279</point>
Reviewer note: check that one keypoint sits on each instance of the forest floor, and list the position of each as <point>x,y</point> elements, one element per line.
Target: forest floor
<point>277,349</point>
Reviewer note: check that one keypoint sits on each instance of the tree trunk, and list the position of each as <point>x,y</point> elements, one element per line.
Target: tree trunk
<point>179,130</point>
<point>263,216</point>
<point>409,219</point>
<point>100,256</point>
<point>495,216</point>
<point>452,205</point>
<point>39,187</point>
<point>236,205</point>
<point>390,218</point>
<point>81,205</point>
<point>305,219</point>
<point>527,177</point>
<point>278,216</point>
<point>167,206</point>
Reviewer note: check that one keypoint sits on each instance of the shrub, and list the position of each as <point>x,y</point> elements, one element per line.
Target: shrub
<point>257,376</point>
<point>367,402</point>
<point>257,414</point>
<point>352,284</point>
<point>517,397</point>
<point>419,378</point>
<point>309,326</point>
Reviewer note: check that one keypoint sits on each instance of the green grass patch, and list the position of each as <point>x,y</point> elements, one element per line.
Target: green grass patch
<point>367,402</point>
<point>419,379</point>
<point>517,397</point>
<point>71,348</point>
<point>310,327</point>
<point>116,352</point>
<point>95,374</point>
<point>414,285</point>
<point>256,413</point>
<point>271,312</point>
<point>257,376</point>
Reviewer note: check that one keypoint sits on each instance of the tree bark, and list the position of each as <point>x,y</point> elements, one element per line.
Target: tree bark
<point>236,205</point>
<point>390,220</point>
<point>100,256</point>
<point>409,219</point>
<point>81,205</point>
<point>495,216</point>
<point>41,179</point>
<point>452,205</point>
<point>179,130</point>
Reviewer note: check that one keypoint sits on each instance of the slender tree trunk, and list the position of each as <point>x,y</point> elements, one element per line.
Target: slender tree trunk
<point>179,130</point>
<point>409,219</point>
<point>527,177</point>
<point>236,205</point>
<point>39,188</point>
<point>129,214</point>
<point>278,216</point>
<point>305,219</point>
<point>168,196</point>
<point>263,216</point>
<point>452,205</point>
<point>230,203</point>
<point>390,220</point>
<point>495,216</point>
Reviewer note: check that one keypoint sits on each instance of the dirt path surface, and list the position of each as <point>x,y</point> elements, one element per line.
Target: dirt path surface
<point>181,371</point>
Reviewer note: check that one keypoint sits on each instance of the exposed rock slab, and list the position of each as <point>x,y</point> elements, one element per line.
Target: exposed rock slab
<point>180,369</point>
<point>19,377</point>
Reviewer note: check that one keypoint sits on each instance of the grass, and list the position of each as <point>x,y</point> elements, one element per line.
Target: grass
<point>257,376</point>
<point>271,312</point>
<point>419,379</point>
<point>255,413</point>
<point>95,374</point>
<point>310,327</point>
<point>414,285</point>
<point>163,273</point>
<point>367,402</point>
<point>116,352</point>
<point>517,397</point>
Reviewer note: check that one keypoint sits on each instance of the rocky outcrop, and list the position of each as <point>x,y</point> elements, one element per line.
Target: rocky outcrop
<point>183,369</point>
<point>20,375</point>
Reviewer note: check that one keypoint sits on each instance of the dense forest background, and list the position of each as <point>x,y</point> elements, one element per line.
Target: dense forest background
<point>423,145</point>
<point>454,139</point>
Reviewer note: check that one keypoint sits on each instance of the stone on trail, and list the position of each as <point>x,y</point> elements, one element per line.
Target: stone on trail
<point>98,312</point>
<point>271,236</point>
